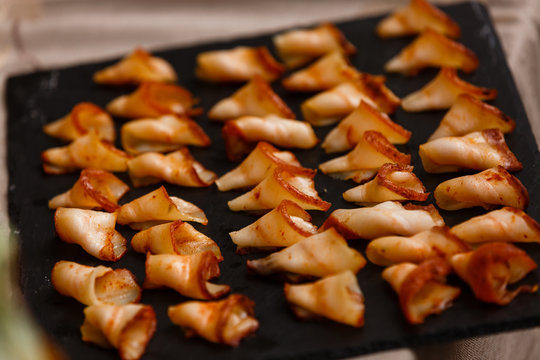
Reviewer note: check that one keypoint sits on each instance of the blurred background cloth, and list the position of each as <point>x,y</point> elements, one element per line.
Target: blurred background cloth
<point>39,34</point>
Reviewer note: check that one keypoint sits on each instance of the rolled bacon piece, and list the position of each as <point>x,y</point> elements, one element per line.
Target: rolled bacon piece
<point>225,321</point>
<point>95,285</point>
<point>421,288</point>
<point>490,268</point>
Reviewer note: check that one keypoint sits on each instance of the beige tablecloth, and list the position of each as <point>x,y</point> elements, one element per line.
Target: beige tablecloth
<point>37,34</point>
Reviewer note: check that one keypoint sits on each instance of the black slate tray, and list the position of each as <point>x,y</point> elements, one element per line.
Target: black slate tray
<point>35,99</point>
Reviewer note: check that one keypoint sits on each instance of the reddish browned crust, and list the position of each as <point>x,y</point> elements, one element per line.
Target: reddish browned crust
<point>264,91</point>
<point>273,69</point>
<point>486,281</point>
<point>344,230</point>
<point>380,143</point>
<point>116,151</point>
<point>345,45</point>
<point>486,108</point>
<point>236,145</point>
<point>86,180</point>
<point>452,28</point>
<point>431,209</point>
<point>495,138</point>
<point>268,150</point>
<point>149,92</point>
<point>147,316</point>
<point>208,268</point>
<point>469,59</point>
<point>82,108</point>
<point>522,215</point>
<point>279,175</point>
<point>374,86</point>
<point>410,194</point>
<point>500,174</point>
<point>288,208</point>
<point>445,230</point>
<point>107,251</point>
<point>197,131</point>
<point>472,90</point>
<point>189,168</point>
<point>406,134</point>
<point>224,311</point>
<point>432,270</point>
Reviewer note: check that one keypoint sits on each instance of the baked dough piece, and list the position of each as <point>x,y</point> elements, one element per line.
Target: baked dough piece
<point>371,152</point>
<point>95,189</point>
<point>468,115</point>
<point>88,151</point>
<point>282,184</point>
<point>237,65</point>
<point>176,237</point>
<point>162,134</point>
<point>241,135</point>
<point>128,328</point>
<point>479,150</point>
<point>506,224</point>
<point>437,241</point>
<point>365,117</point>
<point>157,207</point>
<point>137,67</point>
<point>421,288</point>
<point>393,182</point>
<point>179,168</point>
<point>256,166</point>
<point>95,285</point>
<point>297,47</point>
<point>186,274</point>
<point>92,230</point>
<point>256,98</point>
<point>336,297</point>
<point>225,321</point>
<point>319,255</point>
<point>285,225</point>
<point>83,117</point>
<point>415,18</point>
<point>489,189</point>
<point>442,92</point>
<point>432,49</point>
<point>332,105</point>
<point>325,73</point>
<point>490,268</point>
<point>152,99</point>
<point>388,218</point>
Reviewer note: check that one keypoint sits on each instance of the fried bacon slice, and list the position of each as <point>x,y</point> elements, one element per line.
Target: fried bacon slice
<point>128,328</point>
<point>152,99</point>
<point>83,117</point>
<point>138,67</point>
<point>179,168</point>
<point>506,224</point>
<point>325,73</point>
<point>351,129</point>
<point>491,268</point>
<point>388,218</point>
<point>320,255</point>
<point>489,189</point>
<point>95,285</point>
<point>242,135</point>
<point>336,297</point>
<point>285,225</point>
<point>437,241</point>
<point>225,321</point>
<point>330,106</point>
<point>162,134</point>
<point>442,92</point>
<point>372,151</point>
<point>282,184</point>
<point>393,182</point>
<point>479,150</point>
<point>92,230</point>
<point>421,288</point>
<point>88,151</point>
<point>256,166</point>
<point>415,18</point>
<point>256,98</point>
<point>158,207</point>
<point>95,189</point>
<point>435,50</point>
<point>186,274</point>
<point>237,65</point>
<point>298,47</point>
<point>176,237</point>
<point>468,115</point>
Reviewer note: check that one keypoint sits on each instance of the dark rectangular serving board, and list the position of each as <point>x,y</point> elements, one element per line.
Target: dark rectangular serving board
<point>35,99</point>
